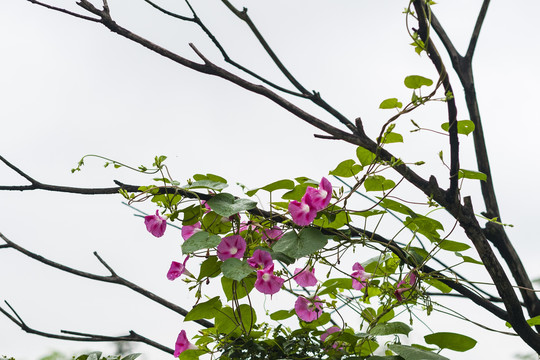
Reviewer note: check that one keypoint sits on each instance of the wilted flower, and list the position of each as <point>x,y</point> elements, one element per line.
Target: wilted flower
<point>359,277</point>
<point>183,344</point>
<point>308,309</point>
<point>305,278</point>
<point>267,282</point>
<point>155,224</point>
<point>400,288</point>
<point>231,247</point>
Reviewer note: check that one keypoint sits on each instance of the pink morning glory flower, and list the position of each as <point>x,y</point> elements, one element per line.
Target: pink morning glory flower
<point>400,288</point>
<point>189,230</point>
<point>177,269</point>
<point>320,198</point>
<point>272,235</point>
<point>267,282</point>
<point>231,247</point>
<point>155,224</point>
<point>359,277</point>
<point>305,278</point>
<point>260,260</point>
<point>329,331</point>
<point>308,309</point>
<point>183,344</point>
<point>302,213</point>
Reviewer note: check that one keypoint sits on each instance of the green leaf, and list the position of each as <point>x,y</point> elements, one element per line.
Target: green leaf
<point>216,224</point>
<point>464,127</point>
<point>392,137</point>
<point>210,177</point>
<point>191,354</point>
<point>323,319</point>
<point>205,310</point>
<point>424,225</point>
<point>469,174</point>
<point>368,213</point>
<point>200,240</point>
<point>412,353</point>
<point>333,217</point>
<point>210,267</point>
<point>297,193</point>
<point>192,214</point>
<point>227,322</point>
<point>365,156</point>
<point>469,259</point>
<point>391,328</point>
<point>235,269</point>
<point>282,314</point>
<point>452,341</point>
<point>305,243</point>
<point>388,315</point>
<point>207,184</point>
<point>276,185</point>
<point>450,245</point>
<point>368,347</point>
<point>396,206</point>
<point>445,289</point>
<point>534,321</point>
<point>346,168</point>
<point>131,356</point>
<point>234,289</point>
<point>378,183</point>
<point>331,286</point>
<point>391,103</point>
<point>417,81</point>
<point>226,204</point>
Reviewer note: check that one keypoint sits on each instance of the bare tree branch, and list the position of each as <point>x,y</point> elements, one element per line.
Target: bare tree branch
<point>113,278</point>
<point>132,337</point>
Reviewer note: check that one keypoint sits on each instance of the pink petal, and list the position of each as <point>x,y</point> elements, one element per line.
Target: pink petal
<point>359,277</point>
<point>177,269</point>
<point>182,344</point>
<point>319,198</point>
<point>302,213</point>
<point>308,310</point>
<point>231,247</point>
<point>272,235</point>
<point>305,278</point>
<point>260,259</point>
<point>267,282</point>
<point>189,230</point>
<point>155,224</point>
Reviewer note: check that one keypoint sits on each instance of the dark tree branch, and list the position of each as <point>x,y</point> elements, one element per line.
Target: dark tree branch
<point>476,31</point>
<point>195,19</point>
<point>132,337</point>
<point>50,7</point>
<point>113,278</point>
<point>315,96</point>
<point>495,233</point>
<point>433,54</point>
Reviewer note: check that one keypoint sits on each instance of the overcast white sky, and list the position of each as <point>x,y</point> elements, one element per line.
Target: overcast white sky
<point>70,87</point>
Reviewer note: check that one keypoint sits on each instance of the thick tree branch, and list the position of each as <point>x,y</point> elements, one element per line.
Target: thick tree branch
<point>495,233</point>
<point>113,278</point>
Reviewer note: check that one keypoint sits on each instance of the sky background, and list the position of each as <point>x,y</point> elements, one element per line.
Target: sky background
<point>70,88</point>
